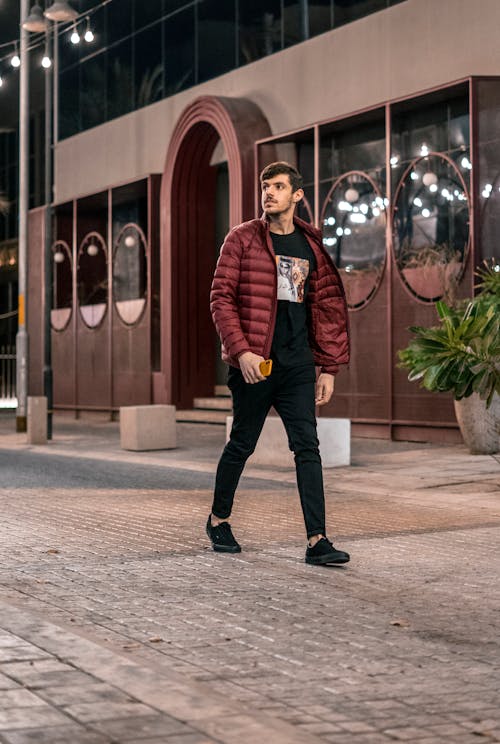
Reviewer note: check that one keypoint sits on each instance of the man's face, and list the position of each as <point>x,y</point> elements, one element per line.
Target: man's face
<point>277,195</point>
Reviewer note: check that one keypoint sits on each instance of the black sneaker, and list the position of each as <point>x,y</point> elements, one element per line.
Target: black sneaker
<point>222,538</point>
<point>325,553</point>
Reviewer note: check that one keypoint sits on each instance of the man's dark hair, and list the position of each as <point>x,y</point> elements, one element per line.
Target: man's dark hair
<point>282,168</point>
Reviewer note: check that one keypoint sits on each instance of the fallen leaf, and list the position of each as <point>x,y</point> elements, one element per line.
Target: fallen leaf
<point>155,640</point>
<point>53,551</point>
<point>400,623</point>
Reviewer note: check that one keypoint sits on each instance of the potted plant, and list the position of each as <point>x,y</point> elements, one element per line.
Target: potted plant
<point>462,355</point>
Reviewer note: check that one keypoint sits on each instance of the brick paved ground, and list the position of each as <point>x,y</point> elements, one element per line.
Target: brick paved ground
<point>119,624</point>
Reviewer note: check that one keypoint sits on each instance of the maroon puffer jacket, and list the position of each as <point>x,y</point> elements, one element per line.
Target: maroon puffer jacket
<point>243,299</point>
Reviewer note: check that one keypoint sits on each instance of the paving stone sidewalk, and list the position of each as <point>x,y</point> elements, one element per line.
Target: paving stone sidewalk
<point>119,624</point>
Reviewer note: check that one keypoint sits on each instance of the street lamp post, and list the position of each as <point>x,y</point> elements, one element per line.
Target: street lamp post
<point>36,21</point>
<point>22,334</point>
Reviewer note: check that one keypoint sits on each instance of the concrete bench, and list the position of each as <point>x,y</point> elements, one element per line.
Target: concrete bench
<point>147,427</point>
<point>36,424</point>
<point>334,436</point>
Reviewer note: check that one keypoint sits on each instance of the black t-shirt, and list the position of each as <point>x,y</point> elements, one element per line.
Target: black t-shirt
<point>294,262</point>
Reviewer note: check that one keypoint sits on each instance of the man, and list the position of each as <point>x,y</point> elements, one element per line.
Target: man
<point>260,316</point>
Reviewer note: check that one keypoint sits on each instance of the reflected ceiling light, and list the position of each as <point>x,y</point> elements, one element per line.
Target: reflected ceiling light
<point>414,176</point>
<point>487,190</point>
<point>46,61</point>
<point>426,213</point>
<point>339,231</point>
<point>424,150</point>
<point>344,206</point>
<point>465,163</point>
<point>352,195</point>
<point>35,22</point>
<point>58,257</point>
<point>61,11</point>
<point>347,231</point>
<point>364,208</point>
<point>429,179</point>
<point>1,81</point>
<point>349,268</point>
<point>92,249</point>
<point>130,241</point>
<point>417,201</point>
<point>394,160</point>
<point>433,188</point>
<point>376,211</point>
<point>358,218</point>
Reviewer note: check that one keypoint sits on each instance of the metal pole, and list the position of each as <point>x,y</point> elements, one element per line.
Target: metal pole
<point>22,335</point>
<point>304,19</point>
<point>47,336</point>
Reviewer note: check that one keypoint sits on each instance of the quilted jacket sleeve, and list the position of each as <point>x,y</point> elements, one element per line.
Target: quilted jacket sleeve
<point>224,297</point>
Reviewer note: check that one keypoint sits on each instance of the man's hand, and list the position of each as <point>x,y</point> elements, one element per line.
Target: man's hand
<point>324,388</point>
<point>249,365</point>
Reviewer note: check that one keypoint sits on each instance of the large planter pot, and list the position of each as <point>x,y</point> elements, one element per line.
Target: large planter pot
<point>480,426</point>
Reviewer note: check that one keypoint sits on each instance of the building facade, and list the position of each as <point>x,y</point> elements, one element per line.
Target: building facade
<point>390,111</point>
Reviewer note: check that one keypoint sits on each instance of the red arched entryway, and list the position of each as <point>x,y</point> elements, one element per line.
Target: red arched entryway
<point>188,233</point>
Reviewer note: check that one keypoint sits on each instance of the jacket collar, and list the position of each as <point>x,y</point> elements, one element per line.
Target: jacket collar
<point>306,227</point>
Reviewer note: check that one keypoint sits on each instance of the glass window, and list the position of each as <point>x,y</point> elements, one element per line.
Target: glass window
<point>120,79</point>
<point>92,279</point>
<point>93,91</point>
<point>320,16</point>
<point>295,22</point>
<point>119,20</point>
<point>430,170</point>
<point>148,73</point>
<point>346,11</point>
<point>488,103</point>
<point>431,227</point>
<point>130,274</point>
<point>152,11</point>
<point>354,203</point>
<point>62,285</point>
<point>216,38</point>
<point>69,103</point>
<point>259,29</point>
<point>179,72</point>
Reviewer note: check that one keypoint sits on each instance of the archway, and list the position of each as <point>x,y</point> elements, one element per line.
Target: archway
<point>188,232</point>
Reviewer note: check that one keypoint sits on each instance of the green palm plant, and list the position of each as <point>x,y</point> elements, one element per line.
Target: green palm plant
<point>462,354</point>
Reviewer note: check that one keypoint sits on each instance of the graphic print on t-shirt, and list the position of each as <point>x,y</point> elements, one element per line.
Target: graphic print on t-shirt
<point>292,275</point>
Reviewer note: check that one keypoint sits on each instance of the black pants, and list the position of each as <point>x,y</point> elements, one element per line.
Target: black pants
<point>291,390</point>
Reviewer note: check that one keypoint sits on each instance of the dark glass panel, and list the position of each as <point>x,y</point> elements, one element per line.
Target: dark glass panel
<point>151,11</point>
<point>119,20</point>
<point>259,29</point>
<point>69,103</point>
<point>488,104</point>
<point>120,79</point>
<point>320,16</point>
<point>295,22</point>
<point>179,54</point>
<point>148,72</point>
<point>346,11</point>
<point>216,38</point>
<point>93,91</point>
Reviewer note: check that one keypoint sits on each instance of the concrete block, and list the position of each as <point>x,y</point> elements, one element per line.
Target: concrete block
<point>147,427</point>
<point>334,436</point>
<point>37,419</point>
